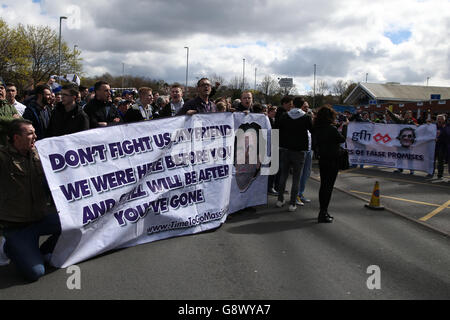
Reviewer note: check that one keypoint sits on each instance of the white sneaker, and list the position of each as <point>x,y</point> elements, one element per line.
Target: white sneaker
<point>305,200</point>
<point>299,202</point>
<point>292,208</point>
<point>4,260</point>
<point>279,204</point>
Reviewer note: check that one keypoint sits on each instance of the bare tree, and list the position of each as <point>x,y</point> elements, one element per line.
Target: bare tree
<point>339,89</point>
<point>269,86</point>
<point>235,83</point>
<point>216,78</point>
<point>322,87</point>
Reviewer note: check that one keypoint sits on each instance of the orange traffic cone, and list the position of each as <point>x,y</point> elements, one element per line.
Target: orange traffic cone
<point>374,203</point>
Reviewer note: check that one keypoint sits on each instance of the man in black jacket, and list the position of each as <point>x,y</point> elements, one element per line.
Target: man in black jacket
<point>287,103</point>
<point>202,103</point>
<point>68,116</point>
<point>293,125</point>
<point>101,113</point>
<point>38,110</point>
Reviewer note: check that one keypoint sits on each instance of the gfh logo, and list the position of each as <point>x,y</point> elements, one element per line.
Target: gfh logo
<point>378,137</point>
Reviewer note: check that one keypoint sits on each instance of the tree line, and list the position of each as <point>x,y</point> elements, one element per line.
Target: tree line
<point>29,55</point>
<point>268,91</point>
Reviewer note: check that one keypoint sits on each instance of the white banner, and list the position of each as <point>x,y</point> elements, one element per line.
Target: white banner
<point>392,145</point>
<point>135,183</point>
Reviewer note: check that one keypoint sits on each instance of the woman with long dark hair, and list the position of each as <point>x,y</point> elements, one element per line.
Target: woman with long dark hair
<point>327,140</point>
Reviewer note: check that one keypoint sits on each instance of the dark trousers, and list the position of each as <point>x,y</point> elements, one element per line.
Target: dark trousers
<point>294,159</point>
<point>328,174</point>
<point>440,157</point>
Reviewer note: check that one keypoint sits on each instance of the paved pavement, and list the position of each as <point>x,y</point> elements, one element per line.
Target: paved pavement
<point>270,253</point>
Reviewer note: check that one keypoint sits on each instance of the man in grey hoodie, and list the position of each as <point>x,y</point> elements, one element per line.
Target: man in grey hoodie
<point>293,126</point>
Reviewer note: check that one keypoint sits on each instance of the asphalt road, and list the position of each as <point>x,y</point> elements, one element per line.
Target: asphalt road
<point>271,254</point>
<point>415,197</point>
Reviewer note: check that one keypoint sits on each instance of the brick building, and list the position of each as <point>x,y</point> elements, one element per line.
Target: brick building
<point>375,97</point>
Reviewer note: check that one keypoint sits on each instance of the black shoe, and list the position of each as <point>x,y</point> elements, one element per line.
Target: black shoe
<point>324,219</point>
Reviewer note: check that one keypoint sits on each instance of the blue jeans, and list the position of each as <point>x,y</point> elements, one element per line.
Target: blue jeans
<point>22,245</point>
<point>305,173</point>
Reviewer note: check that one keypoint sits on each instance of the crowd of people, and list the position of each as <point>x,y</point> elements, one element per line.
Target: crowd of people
<point>26,204</point>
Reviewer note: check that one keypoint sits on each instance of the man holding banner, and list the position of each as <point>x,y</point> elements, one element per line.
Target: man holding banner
<point>202,103</point>
<point>101,113</point>
<point>24,213</point>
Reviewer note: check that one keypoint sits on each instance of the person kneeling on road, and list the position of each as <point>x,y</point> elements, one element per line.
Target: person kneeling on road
<point>25,214</point>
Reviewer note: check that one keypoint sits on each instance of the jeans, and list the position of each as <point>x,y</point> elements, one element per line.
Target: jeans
<point>294,159</point>
<point>328,174</point>
<point>305,173</point>
<point>22,245</point>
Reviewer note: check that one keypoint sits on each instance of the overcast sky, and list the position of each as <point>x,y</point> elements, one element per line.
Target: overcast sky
<point>402,41</point>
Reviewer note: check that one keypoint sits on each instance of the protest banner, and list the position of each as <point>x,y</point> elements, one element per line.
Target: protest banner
<point>392,145</point>
<point>130,184</point>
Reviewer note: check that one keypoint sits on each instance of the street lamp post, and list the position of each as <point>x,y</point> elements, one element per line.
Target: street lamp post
<point>59,46</point>
<point>75,46</point>
<point>243,74</point>
<point>123,73</point>
<point>314,91</point>
<point>187,67</point>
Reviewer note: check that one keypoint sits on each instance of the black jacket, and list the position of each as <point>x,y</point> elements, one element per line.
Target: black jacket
<point>40,117</point>
<point>199,105</point>
<point>326,140</point>
<point>278,114</point>
<point>241,108</point>
<point>62,122</point>
<point>96,110</point>
<point>294,126</point>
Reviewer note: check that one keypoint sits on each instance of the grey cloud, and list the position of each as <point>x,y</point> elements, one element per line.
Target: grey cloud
<point>178,19</point>
<point>115,41</point>
<point>405,75</point>
<point>113,65</point>
<point>332,62</point>
<point>163,27</point>
<point>373,51</point>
